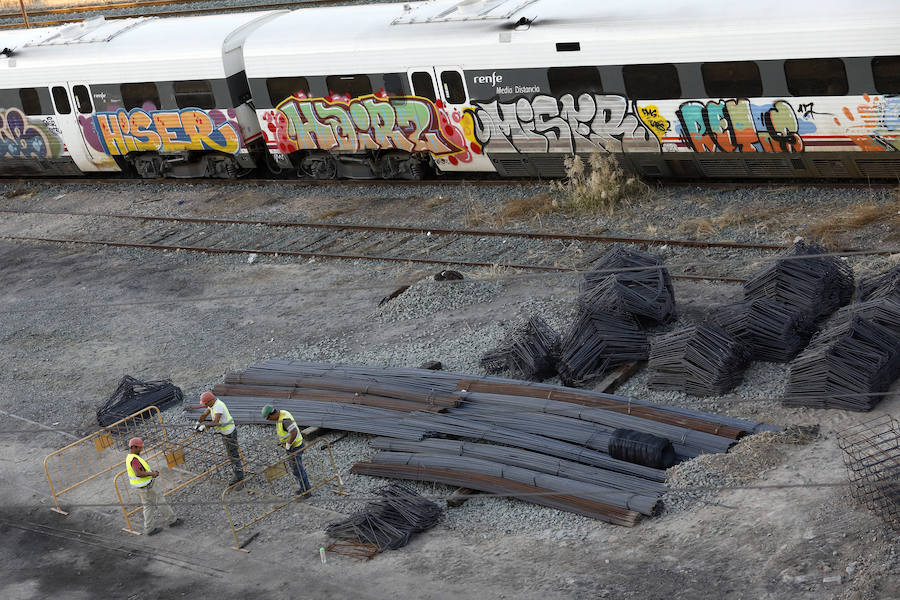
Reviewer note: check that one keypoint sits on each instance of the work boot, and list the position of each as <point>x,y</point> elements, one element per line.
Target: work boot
<point>154,531</point>
<point>235,479</point>
<point>177,522</point>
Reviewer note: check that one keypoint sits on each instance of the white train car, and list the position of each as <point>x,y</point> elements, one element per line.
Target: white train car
<point>156,96</point>
<point>691,88</point>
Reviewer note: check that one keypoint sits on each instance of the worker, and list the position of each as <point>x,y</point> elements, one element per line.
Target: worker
<point>141,479</point>
<point>222,423</point>
<point>290,439</point>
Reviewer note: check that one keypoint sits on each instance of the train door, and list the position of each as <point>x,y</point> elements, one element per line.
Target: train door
<point>73,108</point>
<point>446,87</point>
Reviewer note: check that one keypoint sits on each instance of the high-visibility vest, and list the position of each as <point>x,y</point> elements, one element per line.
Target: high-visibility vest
<point>283,435</point>
<point>134,479</point>
<point>226,423</point>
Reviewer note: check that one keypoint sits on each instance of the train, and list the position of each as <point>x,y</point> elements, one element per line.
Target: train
<point>502,88</point>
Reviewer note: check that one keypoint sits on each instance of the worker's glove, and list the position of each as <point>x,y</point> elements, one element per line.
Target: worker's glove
<point>199,427</point>
<point>287,446</point>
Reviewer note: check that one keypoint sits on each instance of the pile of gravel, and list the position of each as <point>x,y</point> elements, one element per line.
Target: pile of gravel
<point>428,297</point>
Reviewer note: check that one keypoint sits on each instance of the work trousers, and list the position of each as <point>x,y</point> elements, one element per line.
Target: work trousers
<point>231,447</point>
<point>156,509</point>
<point>296,463</point>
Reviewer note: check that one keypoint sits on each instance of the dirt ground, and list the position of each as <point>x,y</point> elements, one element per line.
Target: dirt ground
<point>73,320</point>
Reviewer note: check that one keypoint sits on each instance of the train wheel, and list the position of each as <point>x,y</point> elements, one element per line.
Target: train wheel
<point>318,166</point>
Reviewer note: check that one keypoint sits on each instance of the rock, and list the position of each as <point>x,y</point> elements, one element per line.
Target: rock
<point>832,580</point>
<point>851,568</point>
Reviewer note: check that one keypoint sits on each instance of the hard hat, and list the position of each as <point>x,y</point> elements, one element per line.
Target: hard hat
<point>136,441</point>
<point>267,410</point>
<point>207,396</point>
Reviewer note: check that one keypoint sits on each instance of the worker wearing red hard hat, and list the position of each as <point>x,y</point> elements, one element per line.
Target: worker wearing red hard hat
<point>223,424</point>
<point>141,479</point>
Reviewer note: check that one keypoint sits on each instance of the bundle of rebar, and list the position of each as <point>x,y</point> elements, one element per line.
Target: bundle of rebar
<point>880,285</point>
<point>804,277</point>
<point>881,310</point>
<point>872,456</point>
<point>773,331</point>
<point>845,366</point>
<point>133,395</point>
<point>701,360</point>
<point>598,342</point>
<point>629,282</point>
<point>388,523</point>
<point>530,351</point>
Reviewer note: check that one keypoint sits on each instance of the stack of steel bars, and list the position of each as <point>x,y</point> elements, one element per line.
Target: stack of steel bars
<point>530,351</point>
<point>553,440</point>
<point>880,285</point>
<point>772,331</point>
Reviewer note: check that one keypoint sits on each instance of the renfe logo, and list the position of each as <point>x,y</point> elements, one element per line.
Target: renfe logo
<point>492,79</point>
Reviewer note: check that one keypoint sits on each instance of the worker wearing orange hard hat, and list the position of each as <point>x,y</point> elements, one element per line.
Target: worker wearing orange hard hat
<point>141,479</point>
<point>222,423</point>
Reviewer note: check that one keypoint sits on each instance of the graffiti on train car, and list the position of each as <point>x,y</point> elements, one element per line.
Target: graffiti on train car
<point>24,138</point>
<point>874,124</point>
<point>567,124</point>
<point>739,126</point>
<point>371,122</point>
<point>123,131</point>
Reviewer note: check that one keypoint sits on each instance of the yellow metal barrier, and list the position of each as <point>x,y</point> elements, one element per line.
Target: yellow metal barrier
<point>277,481</point>
<point>187,461</point>
<point>101,452</point>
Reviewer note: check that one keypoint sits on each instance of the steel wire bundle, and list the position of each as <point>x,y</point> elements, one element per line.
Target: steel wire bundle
<point>598,342</point>
<point>629,282</point>
<point>388,523</point>
<point>881,310</point>
<point>872,457</point>
<point>773,331</point>
<point>880,285</point>
<point>701,360</point>
<point>801,278</point>
<point>530,351</point>
<point>133,395</point>
<point>845,366</point>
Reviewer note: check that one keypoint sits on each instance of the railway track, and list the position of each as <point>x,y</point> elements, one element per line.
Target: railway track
<point>530,251</point>
<point>138,9</point>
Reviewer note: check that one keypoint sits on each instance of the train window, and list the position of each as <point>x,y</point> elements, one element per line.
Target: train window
<point>454,88</point>
<point>282,88</point>
<point>194,94</point>
<point>886,71</point>
<point>651,82</point>
<point>140,95</point>
<point>82,99</point>
<point>31,103</point>
<point>816,77</point>
<point>732,79</point>
<point>574,80</point>
<point>351,86</point>
<point>423,85</point>
<point>61,100</point>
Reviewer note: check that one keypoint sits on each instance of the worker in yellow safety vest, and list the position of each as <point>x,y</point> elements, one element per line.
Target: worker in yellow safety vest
<point>290,439</point>
<point>223,424</point>
<point>141,479</point>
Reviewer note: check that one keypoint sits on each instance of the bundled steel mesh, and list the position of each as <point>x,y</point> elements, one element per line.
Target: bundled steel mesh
<point>872,456</point>
<point>882,310</point>
<point>134,395</point>
<point>629,282</point>
<point>702,360</point>
<point>845,366</point>
<point>530,351</point>
<point>882,285</point>
<point>802,278</point>
<point>388,523</point>
<point>599,342</point>
<point>772,331</point>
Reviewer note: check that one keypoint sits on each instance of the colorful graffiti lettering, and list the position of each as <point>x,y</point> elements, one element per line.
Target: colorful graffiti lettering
<point>873,125</point>
<point>458,128</point>
<point>21,138</point>
<point>547,124</point>
<point>738,126</point>
<point>138,130</point>
<point>371,122</point>
<point>652,118</point>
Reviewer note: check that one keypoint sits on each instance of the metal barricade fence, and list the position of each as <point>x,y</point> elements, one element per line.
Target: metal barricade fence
<point>101,452</point>
<point>270,489</point>
<point>186,462</point>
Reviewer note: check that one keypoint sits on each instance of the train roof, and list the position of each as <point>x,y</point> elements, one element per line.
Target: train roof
<point>484,33</point>
<point>128,50</point>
